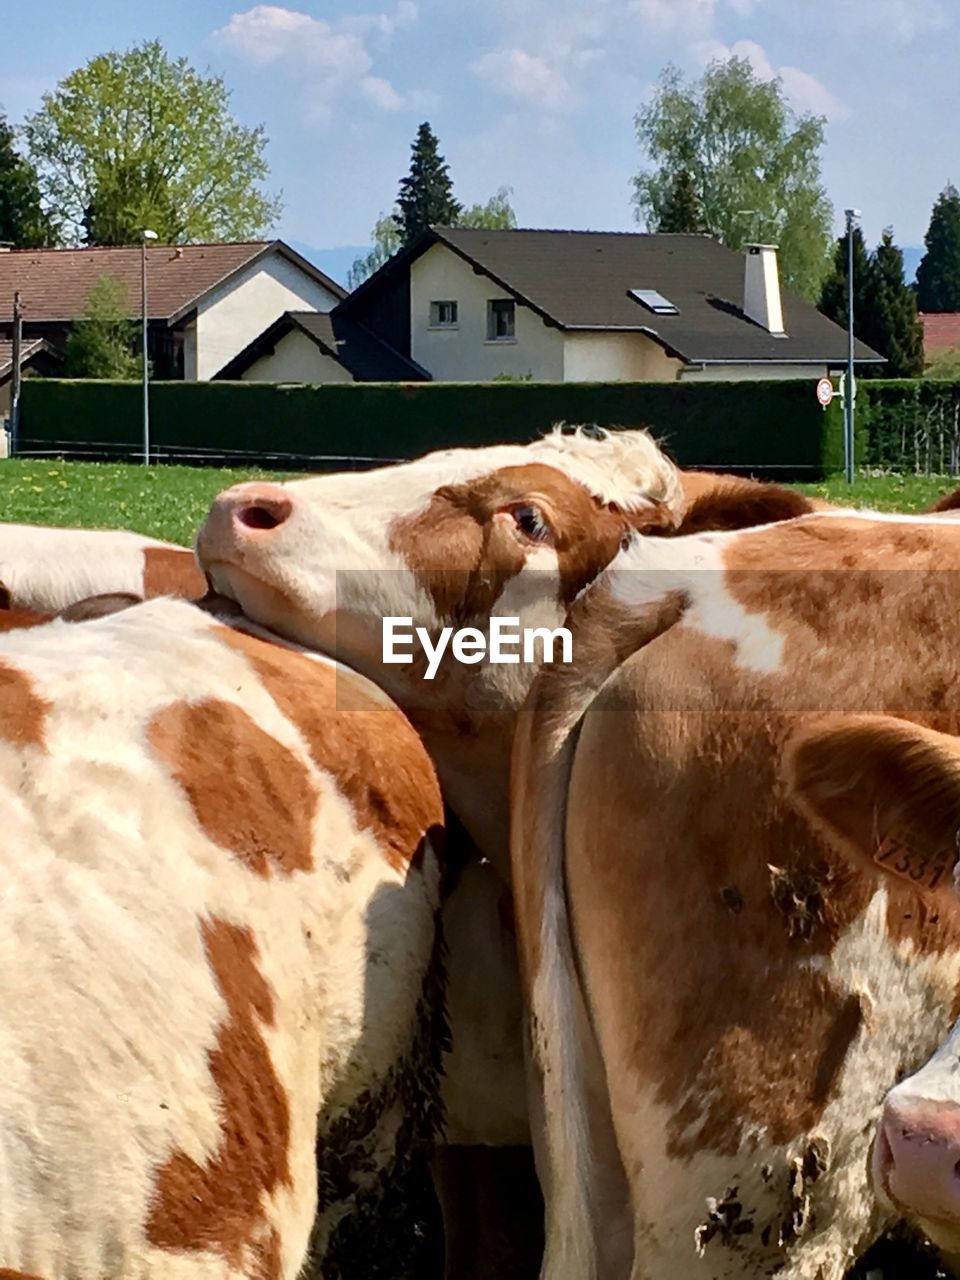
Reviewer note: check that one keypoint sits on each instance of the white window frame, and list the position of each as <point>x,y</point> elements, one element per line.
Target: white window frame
<point>501,306</point>
<point>435,314</point>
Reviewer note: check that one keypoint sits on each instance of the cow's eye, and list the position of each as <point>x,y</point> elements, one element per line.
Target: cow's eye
<point>530,522</point>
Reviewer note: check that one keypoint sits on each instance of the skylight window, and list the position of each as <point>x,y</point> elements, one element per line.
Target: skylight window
<point>655,302</point>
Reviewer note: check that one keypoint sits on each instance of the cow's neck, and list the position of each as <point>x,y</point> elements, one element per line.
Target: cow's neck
<point>472,759</point>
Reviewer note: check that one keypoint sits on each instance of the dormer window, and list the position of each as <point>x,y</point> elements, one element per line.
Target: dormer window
<point>654,301</point>
<point>443,315</point>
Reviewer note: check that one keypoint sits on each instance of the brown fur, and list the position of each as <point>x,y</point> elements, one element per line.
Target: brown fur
<point>369,748</point>
<point>168,571</point>
<point>268,1260</point>
<point>463,556</point>
<point>948,502</point>
<point>23,712</point>
<point>218,1206</point>
<point>5,1272</point>
<point>17,619</point>
<point>734,502</point>
<point>238,779</point>
<point>101,606</point>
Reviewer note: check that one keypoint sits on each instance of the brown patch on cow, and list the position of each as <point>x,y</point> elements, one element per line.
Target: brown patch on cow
<point>716,502</point>
<point>268,1258</point>
<point>19,619</point>
<point>779,1069</point>
<point>5,1272</point>
<point>6,600</point>
<point>168,571</point>
<point>23,711</point>
<point>465,547</point>
<point>219,1206</point>
<point>368,747</point>
<point>250,793</point>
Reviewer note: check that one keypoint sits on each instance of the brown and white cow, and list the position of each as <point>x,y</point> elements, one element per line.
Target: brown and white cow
<point>218,971</point>
<point>46,568</point>
<point>456,538</point>
<point>722,988</point>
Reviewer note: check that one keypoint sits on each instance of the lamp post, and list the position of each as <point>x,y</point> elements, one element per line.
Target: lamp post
<point>145,236</point>
<point>850,389</point>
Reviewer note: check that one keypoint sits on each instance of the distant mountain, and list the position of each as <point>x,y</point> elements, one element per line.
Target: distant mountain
<point>335,263</point>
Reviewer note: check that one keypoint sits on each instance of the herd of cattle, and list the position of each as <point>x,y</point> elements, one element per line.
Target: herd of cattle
<point>282,925</point>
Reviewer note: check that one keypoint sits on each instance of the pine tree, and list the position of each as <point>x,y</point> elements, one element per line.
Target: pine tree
<point>23,222</point>
<point>833,296</point>
<point>682,210</point>
<point>938,276</point>
<point>884,308</point>
<point>898,332</point>
<point>426,193</point>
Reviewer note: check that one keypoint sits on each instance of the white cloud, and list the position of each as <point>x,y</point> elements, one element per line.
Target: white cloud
<point>329,58</point>
<point>804,90</point>
<point>518,74</point>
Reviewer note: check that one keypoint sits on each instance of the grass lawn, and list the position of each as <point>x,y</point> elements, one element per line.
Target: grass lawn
<point>170,502</point>
<point>164,502</point>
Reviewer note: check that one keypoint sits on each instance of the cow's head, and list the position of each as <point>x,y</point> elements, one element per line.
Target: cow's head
<point>888,791</point>
<point>447,541</point>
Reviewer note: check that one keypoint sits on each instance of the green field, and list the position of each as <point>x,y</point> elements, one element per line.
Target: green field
<point>164,502</point>
<point>170,502</point>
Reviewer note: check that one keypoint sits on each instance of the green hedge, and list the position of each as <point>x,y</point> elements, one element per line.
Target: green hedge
<point>909,424</point>
<point>762,427</point>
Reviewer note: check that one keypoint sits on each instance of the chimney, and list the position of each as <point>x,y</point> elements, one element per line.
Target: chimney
<point>761,288</point>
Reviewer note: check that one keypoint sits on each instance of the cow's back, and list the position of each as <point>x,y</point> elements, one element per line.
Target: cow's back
<point>47,569</point>
<point>217,923</point>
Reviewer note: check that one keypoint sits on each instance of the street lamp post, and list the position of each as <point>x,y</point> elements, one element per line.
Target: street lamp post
<point>850,389</point>
<point>146,235</point>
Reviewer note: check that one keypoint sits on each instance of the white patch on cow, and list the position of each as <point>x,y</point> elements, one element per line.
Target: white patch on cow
<point>47,569</point>
<point>107,877</point>
<point>649,569</point>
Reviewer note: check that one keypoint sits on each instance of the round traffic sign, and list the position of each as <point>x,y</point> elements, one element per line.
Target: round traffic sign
<point>825,391</point>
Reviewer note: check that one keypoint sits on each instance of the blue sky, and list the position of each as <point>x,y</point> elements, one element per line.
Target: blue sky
<point>538,95</point>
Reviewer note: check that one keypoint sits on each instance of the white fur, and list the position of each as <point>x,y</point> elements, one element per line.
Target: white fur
<point>109,1007</point>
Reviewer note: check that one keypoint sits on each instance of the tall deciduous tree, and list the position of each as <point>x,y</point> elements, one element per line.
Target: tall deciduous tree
<point>426,193</point>
<point>101,342</point>
<point>138,139</point>
<point>496,215</point>
<point>938,275</point>
<point>754,165</point>
<point>23,221</point>
<point>681,209</point>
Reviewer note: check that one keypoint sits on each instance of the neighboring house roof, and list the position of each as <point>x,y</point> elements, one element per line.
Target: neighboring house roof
<point>353,345</point>
<point>941,330</point>
<point>30,350</point>
<point>582,280</point>
<point>55,284</point>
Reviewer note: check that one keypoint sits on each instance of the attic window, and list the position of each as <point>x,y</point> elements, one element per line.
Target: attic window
<point>655,302</point>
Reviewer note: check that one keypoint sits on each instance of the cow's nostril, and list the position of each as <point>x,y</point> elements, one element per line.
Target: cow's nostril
<point>259,517</point>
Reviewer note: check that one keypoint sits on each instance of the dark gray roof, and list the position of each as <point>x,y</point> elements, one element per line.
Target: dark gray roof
<point>361,352</point>
<point>582,279</point>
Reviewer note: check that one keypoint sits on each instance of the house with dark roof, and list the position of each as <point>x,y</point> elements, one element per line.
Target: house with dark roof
<point>468,304</point>
<point>315,347</point>
<point>205,302</point>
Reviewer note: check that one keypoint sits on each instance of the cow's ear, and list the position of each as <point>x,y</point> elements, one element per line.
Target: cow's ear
<point>732,502</point>
<point>887,788</point>
<point>6,600</point>
<point>99,606</point>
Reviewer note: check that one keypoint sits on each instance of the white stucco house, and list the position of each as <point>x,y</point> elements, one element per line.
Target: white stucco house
<point>205,302</point>
<point>467,304</point>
